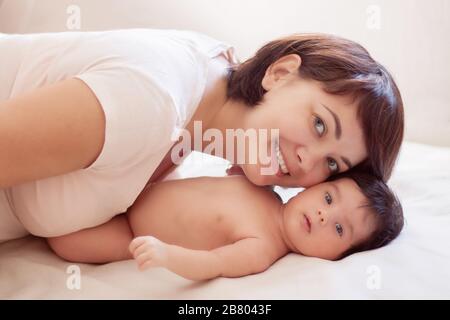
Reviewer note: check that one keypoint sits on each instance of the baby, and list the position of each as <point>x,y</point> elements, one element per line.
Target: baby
<point>202,228</point>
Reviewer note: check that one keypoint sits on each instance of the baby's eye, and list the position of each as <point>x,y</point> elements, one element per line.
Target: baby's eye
<point>332,165</point>
<point>328,198</point>
<point>339,229</point>
<point>319,125</point>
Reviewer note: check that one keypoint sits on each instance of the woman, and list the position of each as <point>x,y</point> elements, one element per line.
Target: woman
<point>89,119</point>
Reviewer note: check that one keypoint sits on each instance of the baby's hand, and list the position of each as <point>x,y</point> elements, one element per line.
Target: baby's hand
<point>148,252</point>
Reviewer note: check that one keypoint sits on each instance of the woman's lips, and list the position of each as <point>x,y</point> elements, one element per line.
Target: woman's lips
<point>275,162</point>
<point>307,223</point>
<point>279,172</point>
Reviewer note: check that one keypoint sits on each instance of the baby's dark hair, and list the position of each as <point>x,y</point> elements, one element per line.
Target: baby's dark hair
<point>381,202</point>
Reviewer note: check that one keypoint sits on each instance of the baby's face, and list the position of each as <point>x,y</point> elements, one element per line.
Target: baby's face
<point>327,219</point>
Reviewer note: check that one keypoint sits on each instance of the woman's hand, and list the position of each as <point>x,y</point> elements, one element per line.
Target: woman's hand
<point>148,252</point>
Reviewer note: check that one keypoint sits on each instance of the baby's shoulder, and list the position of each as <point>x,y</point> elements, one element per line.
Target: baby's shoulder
<point>228,185</point>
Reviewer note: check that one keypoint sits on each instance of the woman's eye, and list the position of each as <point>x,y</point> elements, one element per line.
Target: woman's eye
<point>339,229</point>
<point>328,198</point>
<point>319,125</point>
<point>332,165</point>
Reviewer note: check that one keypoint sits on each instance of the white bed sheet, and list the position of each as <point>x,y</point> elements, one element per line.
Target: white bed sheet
<point>416,265</point>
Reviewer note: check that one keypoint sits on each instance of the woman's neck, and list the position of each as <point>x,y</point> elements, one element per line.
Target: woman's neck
<point>217,112</point>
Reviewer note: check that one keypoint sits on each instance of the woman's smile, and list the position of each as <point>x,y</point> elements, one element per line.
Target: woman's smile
<point>282,169</point>
<point>281,161</point>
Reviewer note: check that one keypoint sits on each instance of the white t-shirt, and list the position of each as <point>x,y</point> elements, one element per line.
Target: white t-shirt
<point>149,83</point>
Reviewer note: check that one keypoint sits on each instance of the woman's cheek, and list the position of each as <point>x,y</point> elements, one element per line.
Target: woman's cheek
<point>312,178</point>
<point>253,173</point>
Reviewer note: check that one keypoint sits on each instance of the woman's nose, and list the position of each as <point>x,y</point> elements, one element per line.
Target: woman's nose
<point>323,217</point>
<point>306,159</point>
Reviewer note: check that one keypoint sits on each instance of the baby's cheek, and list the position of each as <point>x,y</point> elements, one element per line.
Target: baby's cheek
<point>323,246</point>
<point>338,249</point>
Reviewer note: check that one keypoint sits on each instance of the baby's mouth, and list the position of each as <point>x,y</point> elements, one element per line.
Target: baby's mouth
<point>307,223</point>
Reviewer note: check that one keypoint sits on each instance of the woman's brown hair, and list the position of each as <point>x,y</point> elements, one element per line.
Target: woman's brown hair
<point>344,68</point>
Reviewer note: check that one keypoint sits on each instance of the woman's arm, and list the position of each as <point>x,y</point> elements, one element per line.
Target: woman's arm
<point>106,243</point>
<point>49,131</point>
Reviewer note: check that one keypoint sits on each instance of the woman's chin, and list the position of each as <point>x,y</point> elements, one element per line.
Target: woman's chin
<point>254,174</point>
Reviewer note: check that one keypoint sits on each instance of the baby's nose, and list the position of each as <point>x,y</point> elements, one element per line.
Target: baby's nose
<point>322,217</point>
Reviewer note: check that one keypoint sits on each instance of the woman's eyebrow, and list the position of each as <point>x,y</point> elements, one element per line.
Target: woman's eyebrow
<point>338,132</point>
<point>347,162</point>
<point>337,122</point>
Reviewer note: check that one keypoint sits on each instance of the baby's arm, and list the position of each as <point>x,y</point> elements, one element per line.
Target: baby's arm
<point>105,243</point>
<point>244,257</point>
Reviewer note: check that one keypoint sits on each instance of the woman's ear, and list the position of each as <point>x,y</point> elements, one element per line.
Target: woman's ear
<point>285,68</point>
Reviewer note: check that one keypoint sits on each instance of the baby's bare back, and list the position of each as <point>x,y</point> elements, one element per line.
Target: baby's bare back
<point>204,213</point>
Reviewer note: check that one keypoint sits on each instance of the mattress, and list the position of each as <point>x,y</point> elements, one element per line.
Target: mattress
<point>415,266</point>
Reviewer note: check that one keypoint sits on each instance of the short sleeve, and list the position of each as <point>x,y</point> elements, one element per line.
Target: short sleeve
<point>140,116</point>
